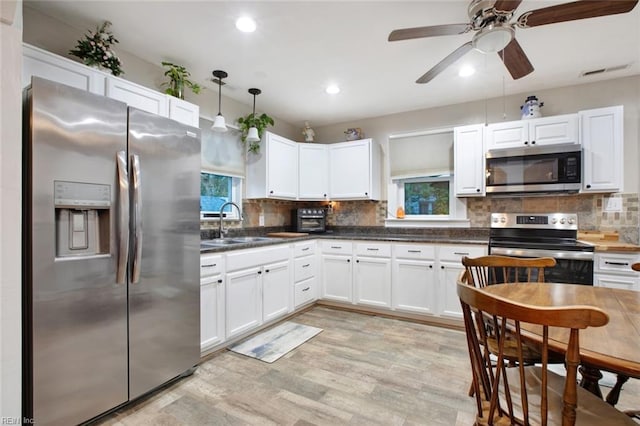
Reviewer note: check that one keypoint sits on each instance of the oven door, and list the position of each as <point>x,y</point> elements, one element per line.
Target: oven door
<point>572,267</point>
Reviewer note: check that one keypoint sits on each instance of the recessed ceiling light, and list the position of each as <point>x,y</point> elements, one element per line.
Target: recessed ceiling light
<point>246,24</point>
<point>332,89</point>
<point>466,71</point>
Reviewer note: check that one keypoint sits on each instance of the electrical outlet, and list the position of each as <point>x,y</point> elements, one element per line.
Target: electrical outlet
<point>261,220</point>
<point>614,204</point>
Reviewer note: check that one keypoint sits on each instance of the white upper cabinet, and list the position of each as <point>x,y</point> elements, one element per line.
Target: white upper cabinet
<point>468,161</point>
<point>313,174</point>
<point>137,96</point>
<point>553,130</point>
<point>184,112</point>
<point>273,172</point>
<point>602,135</point>
<point>40,63</point>
<point>354,170</point>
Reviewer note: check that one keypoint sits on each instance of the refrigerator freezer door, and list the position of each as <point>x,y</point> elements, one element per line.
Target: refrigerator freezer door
<point>164,304</point>
<point>75,312</point>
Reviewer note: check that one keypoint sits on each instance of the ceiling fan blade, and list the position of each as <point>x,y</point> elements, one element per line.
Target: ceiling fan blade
<point>432,31</point>
<point>575,10</point>
<point>507,5</point>
<point>515,60</point>
<point>443,64</point>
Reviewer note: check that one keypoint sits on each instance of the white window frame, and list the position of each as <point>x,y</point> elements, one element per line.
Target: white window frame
<point>236,197</point>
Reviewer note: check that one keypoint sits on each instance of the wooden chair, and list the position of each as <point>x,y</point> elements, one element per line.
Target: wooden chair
<point>492,269</point>
<point>529,395</point>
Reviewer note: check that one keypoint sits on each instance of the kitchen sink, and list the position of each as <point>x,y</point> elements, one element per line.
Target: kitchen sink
<point>250,239</point>
<point>218,242</point>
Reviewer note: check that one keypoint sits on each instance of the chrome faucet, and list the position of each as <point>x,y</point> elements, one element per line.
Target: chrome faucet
<point>221,229</point>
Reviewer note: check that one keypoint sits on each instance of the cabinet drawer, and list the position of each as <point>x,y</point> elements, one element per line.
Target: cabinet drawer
<point>242,259</point>
<point>337,247</point>
<point>305,292</point>
<point>455,253</point>
<point>415,251</point>
<point>373,249</point>
<point>210,265</point>
<point>616,281</point>
<point>304,267</point>
<point>304,249</point>
<point>619,263</point>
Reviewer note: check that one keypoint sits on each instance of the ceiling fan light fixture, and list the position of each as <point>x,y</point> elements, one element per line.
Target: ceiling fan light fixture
<point>493,38</point>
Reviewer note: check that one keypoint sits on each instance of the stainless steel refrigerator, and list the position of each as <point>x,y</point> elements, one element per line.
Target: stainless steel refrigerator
<point>111,261</point>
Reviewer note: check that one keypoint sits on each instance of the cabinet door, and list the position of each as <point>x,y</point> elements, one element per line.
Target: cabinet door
<point>336,278</point>
<point>553,130</point>
<point>602,144</point>
<point>276,290</point>
<point>507,135</point>
<point>137,96</point>
<point>282,167</point>
<point>313,175</point>
<point>372,281</point>
<point>414,286</point>
<point>448,279</point>
<point>244,301</point>
<point>211,312</point>
<point>350,170</point>
<point>40,63</point>
<point>468,160</point>
<point>184,112</point>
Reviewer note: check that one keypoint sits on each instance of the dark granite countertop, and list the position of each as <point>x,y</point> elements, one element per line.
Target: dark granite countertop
<point>409,235</point>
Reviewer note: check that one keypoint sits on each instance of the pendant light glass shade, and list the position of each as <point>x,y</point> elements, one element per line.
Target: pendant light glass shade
<point>219,124</point>
<point>252,134</point>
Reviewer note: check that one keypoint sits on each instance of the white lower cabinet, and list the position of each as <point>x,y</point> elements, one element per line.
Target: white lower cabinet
<point>212,308</point>
<point>337,270</point>
<point>414,278</point>
<point>613,270</point>
<point>258,287</point>
<point>305,273</point>
<point>449,268</point>
<point>244,302</point>
<point>372,274</point>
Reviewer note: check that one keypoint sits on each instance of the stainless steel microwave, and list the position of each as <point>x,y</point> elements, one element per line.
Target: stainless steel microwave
<point>540,169</point>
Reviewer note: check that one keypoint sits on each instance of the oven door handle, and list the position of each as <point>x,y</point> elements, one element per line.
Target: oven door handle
<point>573,255</point>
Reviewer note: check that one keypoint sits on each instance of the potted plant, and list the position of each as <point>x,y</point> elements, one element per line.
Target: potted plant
<point>95,50</point>
<point>260,122</point>
<point>179,78</point>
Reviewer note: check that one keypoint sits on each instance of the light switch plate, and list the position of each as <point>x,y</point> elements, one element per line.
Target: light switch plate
<point>614,204</point>
<point>261,220</point>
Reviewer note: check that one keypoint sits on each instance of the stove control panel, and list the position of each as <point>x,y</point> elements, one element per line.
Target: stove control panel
<point>567,221</point>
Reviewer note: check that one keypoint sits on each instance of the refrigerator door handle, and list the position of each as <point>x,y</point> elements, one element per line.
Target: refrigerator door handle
<point>137,211</point>
<point>123,217</point>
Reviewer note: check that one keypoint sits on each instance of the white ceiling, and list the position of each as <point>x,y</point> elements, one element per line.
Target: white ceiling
<point>300,47</point>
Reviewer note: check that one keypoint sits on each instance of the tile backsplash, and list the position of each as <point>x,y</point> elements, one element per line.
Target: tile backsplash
<point>592,214</point>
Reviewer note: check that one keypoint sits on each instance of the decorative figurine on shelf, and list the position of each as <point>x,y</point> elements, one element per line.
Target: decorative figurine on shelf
<point>531,108</point>
<point>308,132</point>
<point>354,134</point>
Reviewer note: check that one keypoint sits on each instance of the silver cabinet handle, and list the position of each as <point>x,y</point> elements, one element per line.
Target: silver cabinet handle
<point>336,247</point>
<point>372,249</point>
<point>306,265</point>
<point>211,265</point>
<point>306,289</point>
<point>137,211</point>
<point>617,263</point>
<point>461,254</point>
<point>414,251</point>
<point>123,217</point>
<point>306,248</point>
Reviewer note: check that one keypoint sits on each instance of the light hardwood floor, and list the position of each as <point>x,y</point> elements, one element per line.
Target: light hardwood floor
<point>361,370</point>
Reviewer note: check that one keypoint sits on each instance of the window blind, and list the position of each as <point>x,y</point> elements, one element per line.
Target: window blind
<point>421,154</point>
<point>222,153</point>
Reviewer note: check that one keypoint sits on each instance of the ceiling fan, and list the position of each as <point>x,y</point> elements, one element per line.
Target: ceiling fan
<point>490,19</point>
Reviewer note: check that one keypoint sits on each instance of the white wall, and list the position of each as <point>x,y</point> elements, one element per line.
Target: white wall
<point>55,36</point>
<point>10,210</point>
<point>565,100</point>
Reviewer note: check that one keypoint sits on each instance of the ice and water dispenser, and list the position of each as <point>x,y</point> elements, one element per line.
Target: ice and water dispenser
<point>82,218</point>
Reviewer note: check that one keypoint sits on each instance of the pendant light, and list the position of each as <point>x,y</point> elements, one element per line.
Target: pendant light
<point>219,124</point>
<point>252,135</point>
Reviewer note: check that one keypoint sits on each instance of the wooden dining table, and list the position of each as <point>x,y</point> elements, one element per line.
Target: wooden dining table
<point>614,347</point>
